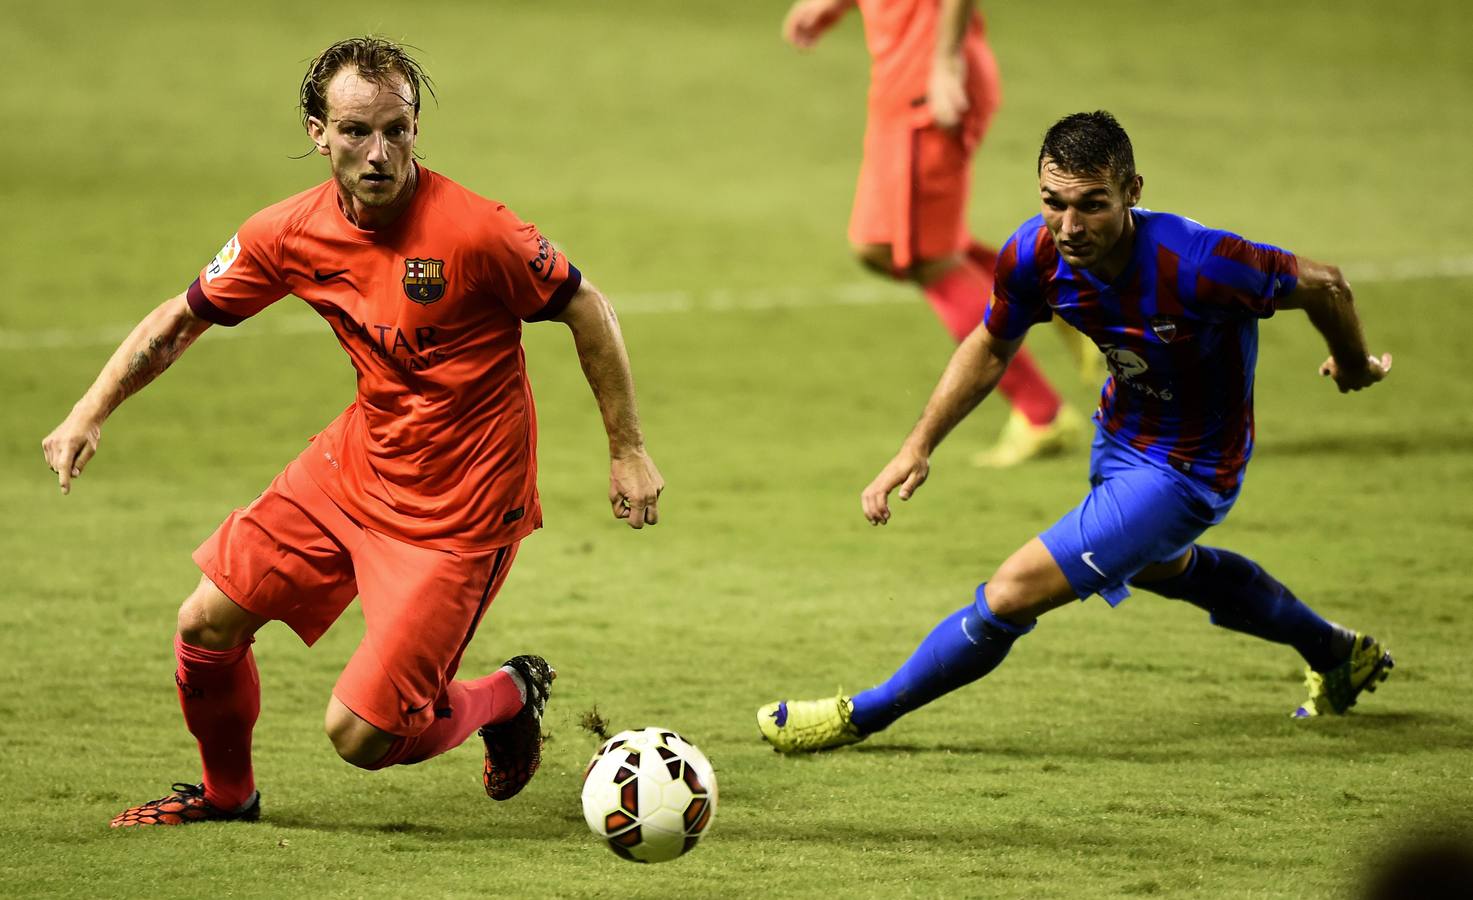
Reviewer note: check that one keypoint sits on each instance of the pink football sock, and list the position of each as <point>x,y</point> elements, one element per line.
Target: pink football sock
<point>482,701</point>
<point>959,298</point>
<point>982,255</point>
<point>220,693</point>
<point>1029,392</point>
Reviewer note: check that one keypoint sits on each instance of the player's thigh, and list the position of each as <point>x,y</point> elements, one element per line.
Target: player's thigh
<point>421,607</point>
<point>1168,569</point>
<point>285,556</point>
<point>942,181</point>
<point>1137,517</point>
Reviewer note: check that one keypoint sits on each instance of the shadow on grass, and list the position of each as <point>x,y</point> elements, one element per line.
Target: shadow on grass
<point>542,827</point>
<point>1361,445</point>
<point>1230,736</point>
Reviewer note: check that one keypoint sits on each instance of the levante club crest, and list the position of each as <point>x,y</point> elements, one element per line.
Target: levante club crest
<point>1164,328</point>
<point>424,280</point>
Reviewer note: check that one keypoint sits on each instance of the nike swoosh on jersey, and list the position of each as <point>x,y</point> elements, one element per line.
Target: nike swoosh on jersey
<point>320,276</point>
<point>1088,558</point>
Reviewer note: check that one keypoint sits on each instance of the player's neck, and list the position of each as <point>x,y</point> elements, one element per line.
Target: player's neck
<point>1116,261</point>
<point>373,218</point>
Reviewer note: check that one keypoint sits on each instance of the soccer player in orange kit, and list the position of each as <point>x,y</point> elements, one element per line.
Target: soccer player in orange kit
<point>416,497</point>
<point>933,89</point>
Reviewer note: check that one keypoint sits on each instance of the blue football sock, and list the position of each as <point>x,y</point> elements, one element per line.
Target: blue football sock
<point>966,645</point>
<point>1241,596</point>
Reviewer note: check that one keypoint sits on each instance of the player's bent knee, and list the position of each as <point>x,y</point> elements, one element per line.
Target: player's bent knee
<point>1027,585</point>
<point>925,271</point>
<point>357,742</point>
<point>209,619</point>
<point>357,752</point>
<point>878,258</point>
<point>1011,601</point>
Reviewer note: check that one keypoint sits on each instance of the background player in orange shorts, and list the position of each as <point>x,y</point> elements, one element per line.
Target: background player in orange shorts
<point>416,497</point>
<point>933,89</point>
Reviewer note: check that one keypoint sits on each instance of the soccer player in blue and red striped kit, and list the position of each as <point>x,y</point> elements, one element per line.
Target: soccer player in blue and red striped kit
<point>1174,306</point>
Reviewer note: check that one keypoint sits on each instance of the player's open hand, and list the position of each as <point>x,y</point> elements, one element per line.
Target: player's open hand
<point>1349,379</point>
<point>634,489</point>
<point>809,19</point>
<point>68,449</point>
<point>908,469</point>
<point>946,92</point>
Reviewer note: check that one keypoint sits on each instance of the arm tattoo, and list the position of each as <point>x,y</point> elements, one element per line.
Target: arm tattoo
<point>147,364</point>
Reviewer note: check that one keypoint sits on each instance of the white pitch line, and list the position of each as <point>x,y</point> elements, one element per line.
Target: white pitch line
<point>276,323</point>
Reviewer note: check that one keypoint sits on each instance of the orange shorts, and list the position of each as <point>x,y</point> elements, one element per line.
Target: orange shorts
<point>293,555</point>
<point>912,192</point>
<point>915,177</point>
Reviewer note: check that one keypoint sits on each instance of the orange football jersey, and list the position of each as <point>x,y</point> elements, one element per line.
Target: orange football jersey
<point>439,447</point>
<point>901,38</point>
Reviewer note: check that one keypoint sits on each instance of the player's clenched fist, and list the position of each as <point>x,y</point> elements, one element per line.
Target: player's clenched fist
<point>634,489</point>
<point>68,448</point>
<point>1362,377</point>
<point>908,469</point>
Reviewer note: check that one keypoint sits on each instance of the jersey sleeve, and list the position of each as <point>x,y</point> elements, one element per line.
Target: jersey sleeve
<point>1236,277</point>
<point>244,278</point>
<point>525,271</point>
<point>1017,293</point>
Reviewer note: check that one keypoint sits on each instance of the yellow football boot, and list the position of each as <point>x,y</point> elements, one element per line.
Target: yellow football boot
<point>807,726</point>
<point>1021,440</point>
<point>1335,692</point>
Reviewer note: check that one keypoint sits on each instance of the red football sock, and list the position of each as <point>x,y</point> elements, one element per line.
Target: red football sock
<point>960,296</point>
<point>220,693</point>
<point>982,255</point>
<point>483,701</point>
<point>1029,392</point>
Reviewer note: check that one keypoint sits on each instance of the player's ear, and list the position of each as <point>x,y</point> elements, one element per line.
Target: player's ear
<point>317,131</point>
<point>1133,190</point>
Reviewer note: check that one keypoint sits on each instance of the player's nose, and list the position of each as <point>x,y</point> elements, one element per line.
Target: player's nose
<point>378,148</point>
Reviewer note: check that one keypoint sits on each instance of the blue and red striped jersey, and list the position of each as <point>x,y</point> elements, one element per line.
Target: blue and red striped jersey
<point>1179,328</point>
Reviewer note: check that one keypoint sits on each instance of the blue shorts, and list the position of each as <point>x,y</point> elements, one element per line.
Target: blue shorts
<point>1137,513</point>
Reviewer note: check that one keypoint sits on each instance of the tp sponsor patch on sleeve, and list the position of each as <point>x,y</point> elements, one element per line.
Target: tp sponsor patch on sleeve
<point>224,259</point>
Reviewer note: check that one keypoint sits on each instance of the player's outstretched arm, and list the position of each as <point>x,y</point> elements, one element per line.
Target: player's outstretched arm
<point>1325,295</point>
<point>634,482</point>
<point>974,370</point>
<point>151,348</point>
<point>807,20</point>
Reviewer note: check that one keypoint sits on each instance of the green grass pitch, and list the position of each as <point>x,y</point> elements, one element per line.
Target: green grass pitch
<point>700,172</point>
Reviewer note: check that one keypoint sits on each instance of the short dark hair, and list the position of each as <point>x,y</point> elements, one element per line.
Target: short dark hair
<point>375,59</point>
<point>1089,144</point>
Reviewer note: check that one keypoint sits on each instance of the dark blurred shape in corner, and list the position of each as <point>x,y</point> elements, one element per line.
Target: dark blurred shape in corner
<point>1430,868</point>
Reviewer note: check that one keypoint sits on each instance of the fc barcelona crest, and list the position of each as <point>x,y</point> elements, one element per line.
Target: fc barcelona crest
<point>1164,328</point>
<point>424,280</point>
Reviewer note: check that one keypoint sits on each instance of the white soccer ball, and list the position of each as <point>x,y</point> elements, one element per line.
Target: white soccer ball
<point>649,794</point>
